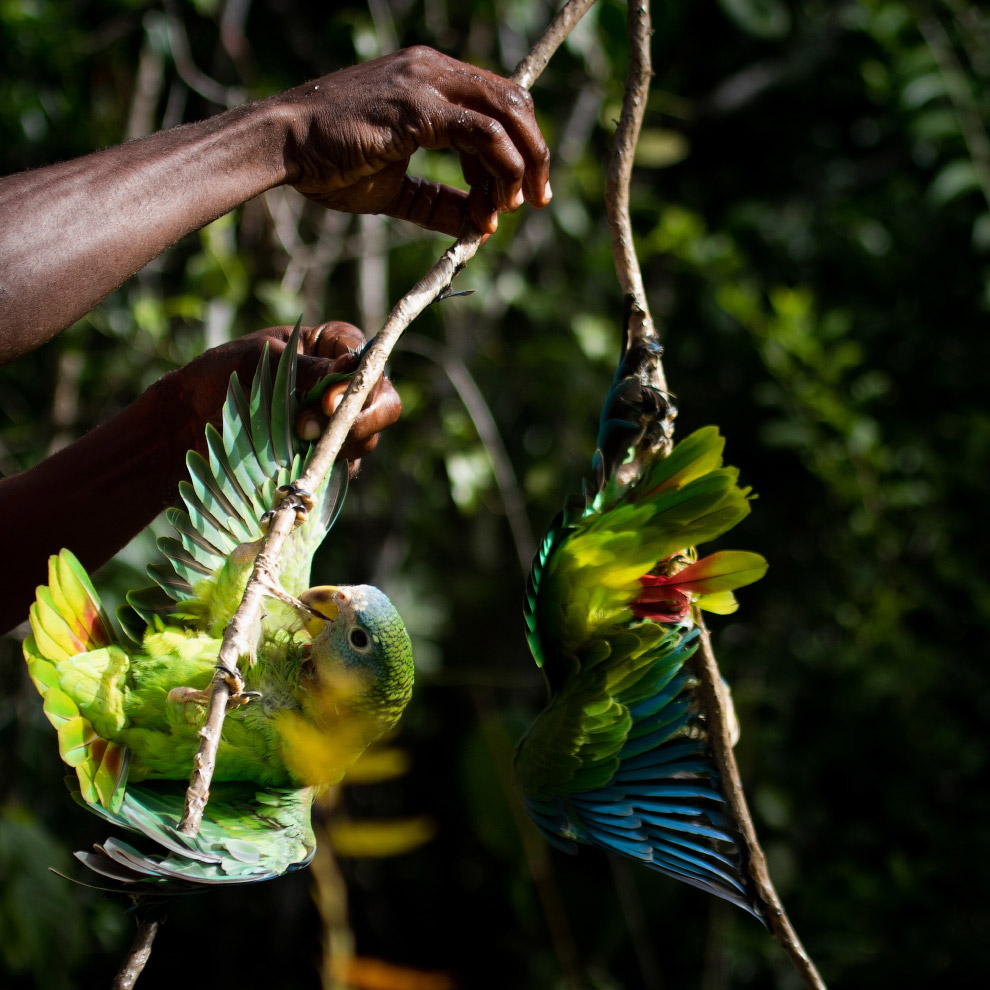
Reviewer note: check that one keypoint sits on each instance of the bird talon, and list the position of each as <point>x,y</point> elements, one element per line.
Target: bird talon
<point>241,698</point>
<point>233,679</point>
<point>188,696</point>
<point>302,501</point>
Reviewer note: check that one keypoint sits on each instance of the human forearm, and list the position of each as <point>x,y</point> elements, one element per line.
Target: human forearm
<point>72,233</point>
<point>92,496</point>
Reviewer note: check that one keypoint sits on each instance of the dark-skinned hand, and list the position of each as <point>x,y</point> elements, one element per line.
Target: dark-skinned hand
<point>72,232</point>
<point>357,128</point>
<point>328,348</point>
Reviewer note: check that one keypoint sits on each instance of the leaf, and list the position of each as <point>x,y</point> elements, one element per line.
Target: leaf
<point>761,18</point>
<point>954,180</point>
<point>373,839</point>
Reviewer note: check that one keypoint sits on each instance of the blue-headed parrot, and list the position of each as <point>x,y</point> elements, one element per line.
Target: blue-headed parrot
<point>333,669</point>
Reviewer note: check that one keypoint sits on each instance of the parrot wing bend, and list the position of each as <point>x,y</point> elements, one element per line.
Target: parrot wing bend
<point>620,758</point>
<point>110,694</point>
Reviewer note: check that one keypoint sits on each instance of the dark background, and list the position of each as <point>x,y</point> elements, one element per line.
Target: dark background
<point>811,204</point>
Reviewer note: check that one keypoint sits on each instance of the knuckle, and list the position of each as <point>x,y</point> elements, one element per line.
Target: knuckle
<point>523,98</point>
<point>419,52</point>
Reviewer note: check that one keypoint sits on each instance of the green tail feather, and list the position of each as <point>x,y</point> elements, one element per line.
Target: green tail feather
<point>247,834</point>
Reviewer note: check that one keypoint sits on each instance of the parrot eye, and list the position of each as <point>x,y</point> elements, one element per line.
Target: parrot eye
<point>358,638</point>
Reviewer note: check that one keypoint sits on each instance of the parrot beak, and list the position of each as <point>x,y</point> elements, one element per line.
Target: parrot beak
<point>323,608</point>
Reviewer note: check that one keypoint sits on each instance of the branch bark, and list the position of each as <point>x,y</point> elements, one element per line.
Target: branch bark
<point>639,322</point>
<point>149,919</point>
<point>640,329</point>
<point>236,643</point>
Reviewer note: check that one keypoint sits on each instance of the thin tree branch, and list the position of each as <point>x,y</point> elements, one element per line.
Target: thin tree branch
<point>148,921</point>
<point>640,329</point>
<point>719,731</point>
<point>239,634</point>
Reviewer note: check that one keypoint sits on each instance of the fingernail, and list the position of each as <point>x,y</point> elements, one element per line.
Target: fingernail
<point>547,192</point>
<point>517,199</point>
<point>307,428</point>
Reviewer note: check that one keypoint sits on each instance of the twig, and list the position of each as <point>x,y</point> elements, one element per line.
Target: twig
<point>706,667</point>
<point>236,641</point>
<point>148,921</point>
<point>640,328</point>
<point>639,323</point>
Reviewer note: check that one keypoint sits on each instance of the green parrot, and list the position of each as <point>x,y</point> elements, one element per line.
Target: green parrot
<point>620,757</point>
<point>333,668</point>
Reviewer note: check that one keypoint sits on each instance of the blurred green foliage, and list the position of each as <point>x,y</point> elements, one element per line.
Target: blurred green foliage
<point>812,208</point>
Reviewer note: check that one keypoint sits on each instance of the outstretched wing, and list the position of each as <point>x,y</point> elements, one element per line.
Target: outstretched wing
<point>247,834</point>
<point>620,758</point>
<point>210,559</point>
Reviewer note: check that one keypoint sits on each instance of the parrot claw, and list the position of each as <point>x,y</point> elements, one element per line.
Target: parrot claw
<point>243,698</point>
<point>193,696</point>
<point>300,500</point>
<point>235,684</point>
<point>188,696</point>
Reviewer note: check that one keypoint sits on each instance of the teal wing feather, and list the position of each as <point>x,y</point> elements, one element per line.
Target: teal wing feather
<point>247,834</point>
<point>620,758</point>
<point>208,561</point>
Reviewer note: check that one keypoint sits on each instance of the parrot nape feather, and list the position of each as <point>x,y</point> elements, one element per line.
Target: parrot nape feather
<point>620,757</point>
<point>331,674</point>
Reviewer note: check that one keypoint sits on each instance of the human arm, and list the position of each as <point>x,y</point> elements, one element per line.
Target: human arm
<point>100,491</point>
<point>71,233</point>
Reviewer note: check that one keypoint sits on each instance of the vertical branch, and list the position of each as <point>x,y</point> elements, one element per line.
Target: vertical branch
<point>706,667</point>
<point>238,638</point>
<point>640,329</point>
<point>149,919</point>
<point>627,268</point>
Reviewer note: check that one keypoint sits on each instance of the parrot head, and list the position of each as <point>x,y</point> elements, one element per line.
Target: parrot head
<point>357,628</point>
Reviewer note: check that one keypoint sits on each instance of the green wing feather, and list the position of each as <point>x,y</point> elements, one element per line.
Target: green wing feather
<point>78,668</point>
<point>210,559</point>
